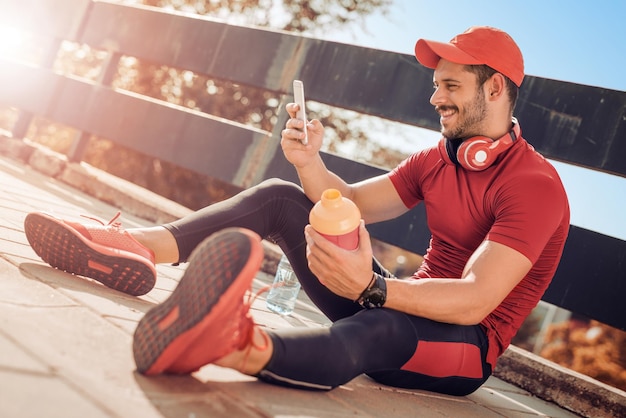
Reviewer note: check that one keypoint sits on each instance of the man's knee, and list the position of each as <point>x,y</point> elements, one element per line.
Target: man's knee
<point>279,186</point>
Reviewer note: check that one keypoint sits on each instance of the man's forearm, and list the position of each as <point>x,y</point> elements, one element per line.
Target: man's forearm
<point>445,300</point>
<point>315,178</point>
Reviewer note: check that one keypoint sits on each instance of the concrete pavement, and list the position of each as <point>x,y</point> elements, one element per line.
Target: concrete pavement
<point>65,341</point>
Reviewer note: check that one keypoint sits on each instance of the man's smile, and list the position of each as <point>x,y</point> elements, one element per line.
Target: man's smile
<point>446,113</point>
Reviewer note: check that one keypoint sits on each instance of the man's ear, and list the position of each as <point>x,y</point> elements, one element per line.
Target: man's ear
<point>496,86</point>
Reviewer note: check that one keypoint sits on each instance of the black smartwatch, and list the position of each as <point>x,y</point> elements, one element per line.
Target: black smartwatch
<point>375,295</point>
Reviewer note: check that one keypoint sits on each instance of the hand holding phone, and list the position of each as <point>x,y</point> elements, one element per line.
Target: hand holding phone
<point>298,95</point>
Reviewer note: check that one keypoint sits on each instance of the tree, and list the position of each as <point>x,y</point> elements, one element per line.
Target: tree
<point>303,16</point>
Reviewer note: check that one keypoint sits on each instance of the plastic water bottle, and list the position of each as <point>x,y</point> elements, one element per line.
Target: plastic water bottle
<point>284,291</point>
<point>337,218</point>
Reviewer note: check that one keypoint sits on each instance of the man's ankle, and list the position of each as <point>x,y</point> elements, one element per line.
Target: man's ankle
<point>160,241</point>
<point>251,359</point>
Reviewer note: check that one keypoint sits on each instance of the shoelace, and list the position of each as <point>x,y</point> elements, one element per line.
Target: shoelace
<point>247,327</point>
<point>113,222</point>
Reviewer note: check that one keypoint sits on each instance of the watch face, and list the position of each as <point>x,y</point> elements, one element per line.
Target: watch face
<point>375,296</point>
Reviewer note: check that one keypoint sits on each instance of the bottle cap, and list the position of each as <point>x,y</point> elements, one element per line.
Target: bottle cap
<point>334,214</point>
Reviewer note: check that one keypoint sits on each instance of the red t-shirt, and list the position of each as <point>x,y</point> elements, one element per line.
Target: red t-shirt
<point>519,201</point>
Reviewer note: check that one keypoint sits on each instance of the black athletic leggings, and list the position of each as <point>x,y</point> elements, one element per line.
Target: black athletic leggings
<point>393,348</point>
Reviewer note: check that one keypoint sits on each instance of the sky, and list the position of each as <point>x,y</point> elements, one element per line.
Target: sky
<point>577,41</point>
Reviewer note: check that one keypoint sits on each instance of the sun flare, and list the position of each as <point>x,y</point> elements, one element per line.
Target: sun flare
<point>12,41</point>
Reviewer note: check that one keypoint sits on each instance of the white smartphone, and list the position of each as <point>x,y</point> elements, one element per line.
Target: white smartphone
<point>298,95</point>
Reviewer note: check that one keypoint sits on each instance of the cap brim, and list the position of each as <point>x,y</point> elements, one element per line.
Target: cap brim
<point>428,53</point>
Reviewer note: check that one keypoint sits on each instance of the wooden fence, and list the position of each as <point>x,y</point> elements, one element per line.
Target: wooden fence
<point>573,123</point>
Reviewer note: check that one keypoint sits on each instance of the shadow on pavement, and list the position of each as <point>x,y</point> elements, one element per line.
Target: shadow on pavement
<point>58,279</point>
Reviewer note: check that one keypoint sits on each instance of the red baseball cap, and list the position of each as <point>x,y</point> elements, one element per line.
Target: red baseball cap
<point>477,45</point>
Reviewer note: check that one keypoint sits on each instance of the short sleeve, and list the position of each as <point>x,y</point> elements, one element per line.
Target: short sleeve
<point>528,211</point>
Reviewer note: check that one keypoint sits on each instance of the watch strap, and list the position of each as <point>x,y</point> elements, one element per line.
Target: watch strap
<point>375,295</point>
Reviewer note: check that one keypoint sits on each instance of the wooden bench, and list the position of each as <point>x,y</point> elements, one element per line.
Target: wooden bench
<point>579,124</point>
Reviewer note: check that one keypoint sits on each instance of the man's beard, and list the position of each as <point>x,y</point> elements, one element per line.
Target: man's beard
<point>470,120</point>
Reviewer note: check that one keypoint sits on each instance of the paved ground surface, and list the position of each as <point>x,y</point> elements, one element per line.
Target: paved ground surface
<point>65,342</point>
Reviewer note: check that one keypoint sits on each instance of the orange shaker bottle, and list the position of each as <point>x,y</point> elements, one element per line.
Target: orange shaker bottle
<point>337,218</point>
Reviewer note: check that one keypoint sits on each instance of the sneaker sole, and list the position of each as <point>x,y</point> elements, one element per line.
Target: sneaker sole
<point>221,270</point>
<point>66,249</point>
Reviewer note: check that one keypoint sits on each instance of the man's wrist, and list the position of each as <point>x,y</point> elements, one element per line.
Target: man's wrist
<point>375,294</point>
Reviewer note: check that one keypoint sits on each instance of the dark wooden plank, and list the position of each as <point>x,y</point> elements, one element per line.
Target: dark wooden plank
<point>591,279</point>
<point>243,55</point>
<point>574,123</point>
<point>579,124</point>
<point>196,141</point>
<point>26,87</point>
<point>200,142</point>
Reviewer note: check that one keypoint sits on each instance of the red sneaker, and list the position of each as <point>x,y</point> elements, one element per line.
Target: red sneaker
<point>102,252</point>
<point>206,317</point>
